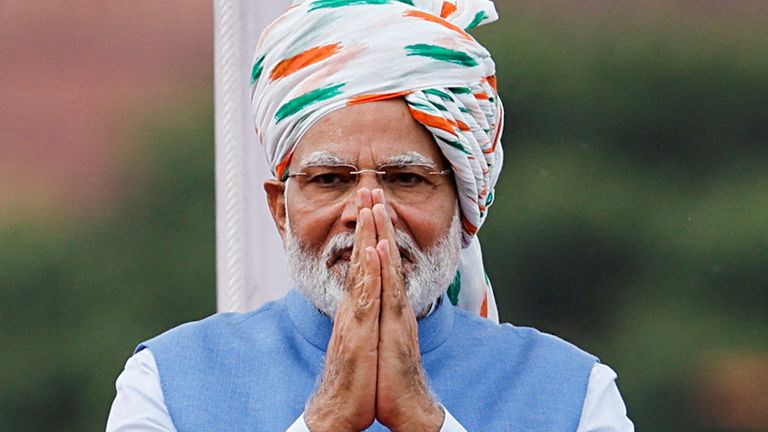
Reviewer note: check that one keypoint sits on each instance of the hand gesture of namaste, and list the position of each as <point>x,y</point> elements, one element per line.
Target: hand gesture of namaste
<point>373,366</point>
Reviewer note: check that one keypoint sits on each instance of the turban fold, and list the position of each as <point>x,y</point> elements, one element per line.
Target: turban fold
<point>322,55</point>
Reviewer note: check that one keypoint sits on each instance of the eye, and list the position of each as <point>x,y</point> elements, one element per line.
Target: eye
<point>330,178</point>
<point>405,178</point>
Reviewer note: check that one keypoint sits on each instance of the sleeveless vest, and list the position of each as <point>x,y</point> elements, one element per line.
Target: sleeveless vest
<point>256,371</point>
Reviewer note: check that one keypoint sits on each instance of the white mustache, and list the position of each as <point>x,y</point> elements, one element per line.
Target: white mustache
<point>346,240</point>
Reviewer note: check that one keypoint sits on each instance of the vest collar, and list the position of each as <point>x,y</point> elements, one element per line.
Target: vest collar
<point>316,327</point>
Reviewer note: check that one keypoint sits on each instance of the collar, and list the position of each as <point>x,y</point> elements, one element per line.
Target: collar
<point>315,327</point>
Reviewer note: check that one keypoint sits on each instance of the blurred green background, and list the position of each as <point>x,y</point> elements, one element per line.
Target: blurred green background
<point>631,219</point>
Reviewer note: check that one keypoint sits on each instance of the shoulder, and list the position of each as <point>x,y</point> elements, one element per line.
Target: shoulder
<point>527,372</point>
<point>511,339</point>
<point>218,328</point>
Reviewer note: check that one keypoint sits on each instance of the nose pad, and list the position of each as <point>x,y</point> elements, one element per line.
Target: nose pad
<point>368,180</point>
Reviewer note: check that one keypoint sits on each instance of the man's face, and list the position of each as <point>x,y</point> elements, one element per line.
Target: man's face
<point>318,230</point>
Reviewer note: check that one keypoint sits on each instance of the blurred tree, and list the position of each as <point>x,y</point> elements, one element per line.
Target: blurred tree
<point>75,300</point>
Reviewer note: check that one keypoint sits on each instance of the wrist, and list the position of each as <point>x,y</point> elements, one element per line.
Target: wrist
<point>426,417</point>
<point>321,417</point>
<point>320,423</point>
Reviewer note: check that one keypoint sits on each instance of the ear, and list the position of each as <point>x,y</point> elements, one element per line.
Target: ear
<point>275,190</point>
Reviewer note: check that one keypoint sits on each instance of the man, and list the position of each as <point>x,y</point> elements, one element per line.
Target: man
<point>385,147</point>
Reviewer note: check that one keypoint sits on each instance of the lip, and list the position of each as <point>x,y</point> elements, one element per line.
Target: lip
<point>343,255</point>
<point>405,256</point>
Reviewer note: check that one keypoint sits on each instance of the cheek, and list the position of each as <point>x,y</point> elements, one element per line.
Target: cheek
<point>427,226</point>
<point>311,225</point>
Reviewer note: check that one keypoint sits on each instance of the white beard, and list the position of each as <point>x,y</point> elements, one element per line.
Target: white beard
<point>428,278</point>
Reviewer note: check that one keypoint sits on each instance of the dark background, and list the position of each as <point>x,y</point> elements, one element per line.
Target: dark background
<point>631,217</point>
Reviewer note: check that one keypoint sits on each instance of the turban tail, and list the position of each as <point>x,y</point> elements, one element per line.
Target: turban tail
<point>322,55</point>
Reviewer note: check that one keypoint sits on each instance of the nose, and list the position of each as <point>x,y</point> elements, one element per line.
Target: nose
<point>363,197</point>
<point>358,199</point>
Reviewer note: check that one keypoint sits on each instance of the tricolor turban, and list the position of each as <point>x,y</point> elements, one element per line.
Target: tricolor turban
<point>322,55</point>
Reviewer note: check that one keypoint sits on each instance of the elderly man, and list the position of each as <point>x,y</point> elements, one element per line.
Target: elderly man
<point>381,121</point>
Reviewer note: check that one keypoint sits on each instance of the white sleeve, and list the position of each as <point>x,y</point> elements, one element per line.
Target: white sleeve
<point>139,405</point>
<point>604,409</point>
<point>450,424</point>
<point>298,425</point>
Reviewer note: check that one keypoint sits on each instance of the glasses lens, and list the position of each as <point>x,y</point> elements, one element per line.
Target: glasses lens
<point>410,183</point>
<point>324,184</point>
<point>405,183</point>
<point>329,176</point>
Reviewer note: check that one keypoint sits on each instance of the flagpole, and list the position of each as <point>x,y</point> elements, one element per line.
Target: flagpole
<point>250,264</point>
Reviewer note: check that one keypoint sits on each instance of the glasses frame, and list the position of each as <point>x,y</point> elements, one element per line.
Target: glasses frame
<point>378,171</point>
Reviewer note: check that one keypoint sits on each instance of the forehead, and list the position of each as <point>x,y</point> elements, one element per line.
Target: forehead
<point>370,133</point>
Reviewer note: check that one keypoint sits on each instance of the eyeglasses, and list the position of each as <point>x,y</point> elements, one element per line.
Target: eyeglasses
<point>409,184</point>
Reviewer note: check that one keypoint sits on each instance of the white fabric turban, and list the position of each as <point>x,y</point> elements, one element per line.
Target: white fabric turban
<point>322,55</point>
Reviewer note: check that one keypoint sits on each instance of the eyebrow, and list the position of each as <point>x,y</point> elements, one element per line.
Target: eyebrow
<point>324,157</point>
<point>410,158</point>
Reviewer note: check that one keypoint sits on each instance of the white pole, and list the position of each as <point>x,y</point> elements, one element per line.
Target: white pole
<point>250,263</point>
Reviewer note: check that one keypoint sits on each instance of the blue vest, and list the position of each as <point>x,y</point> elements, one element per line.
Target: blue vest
<point>256,371</point>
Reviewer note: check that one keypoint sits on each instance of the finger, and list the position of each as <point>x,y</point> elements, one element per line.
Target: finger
<point>365,237</point>
<point>356,266</point>
<point>377,196</point>
<point>362,303</point>
<point>373,279</point>
<point>366,305</point>
<point>386,231</point>
<point>364,198</point>
<point>363,280</point>
<point>382,248</point>
<point>362,201</point>
<point>383,217</point>
<point>393,296</point>
<point>367,232</point>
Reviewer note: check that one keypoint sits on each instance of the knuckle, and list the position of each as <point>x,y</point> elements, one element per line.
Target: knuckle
<point>361,310</point>
<point>398,308</point>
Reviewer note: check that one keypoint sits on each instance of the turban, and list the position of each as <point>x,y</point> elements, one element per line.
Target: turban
<point>322,55</point>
